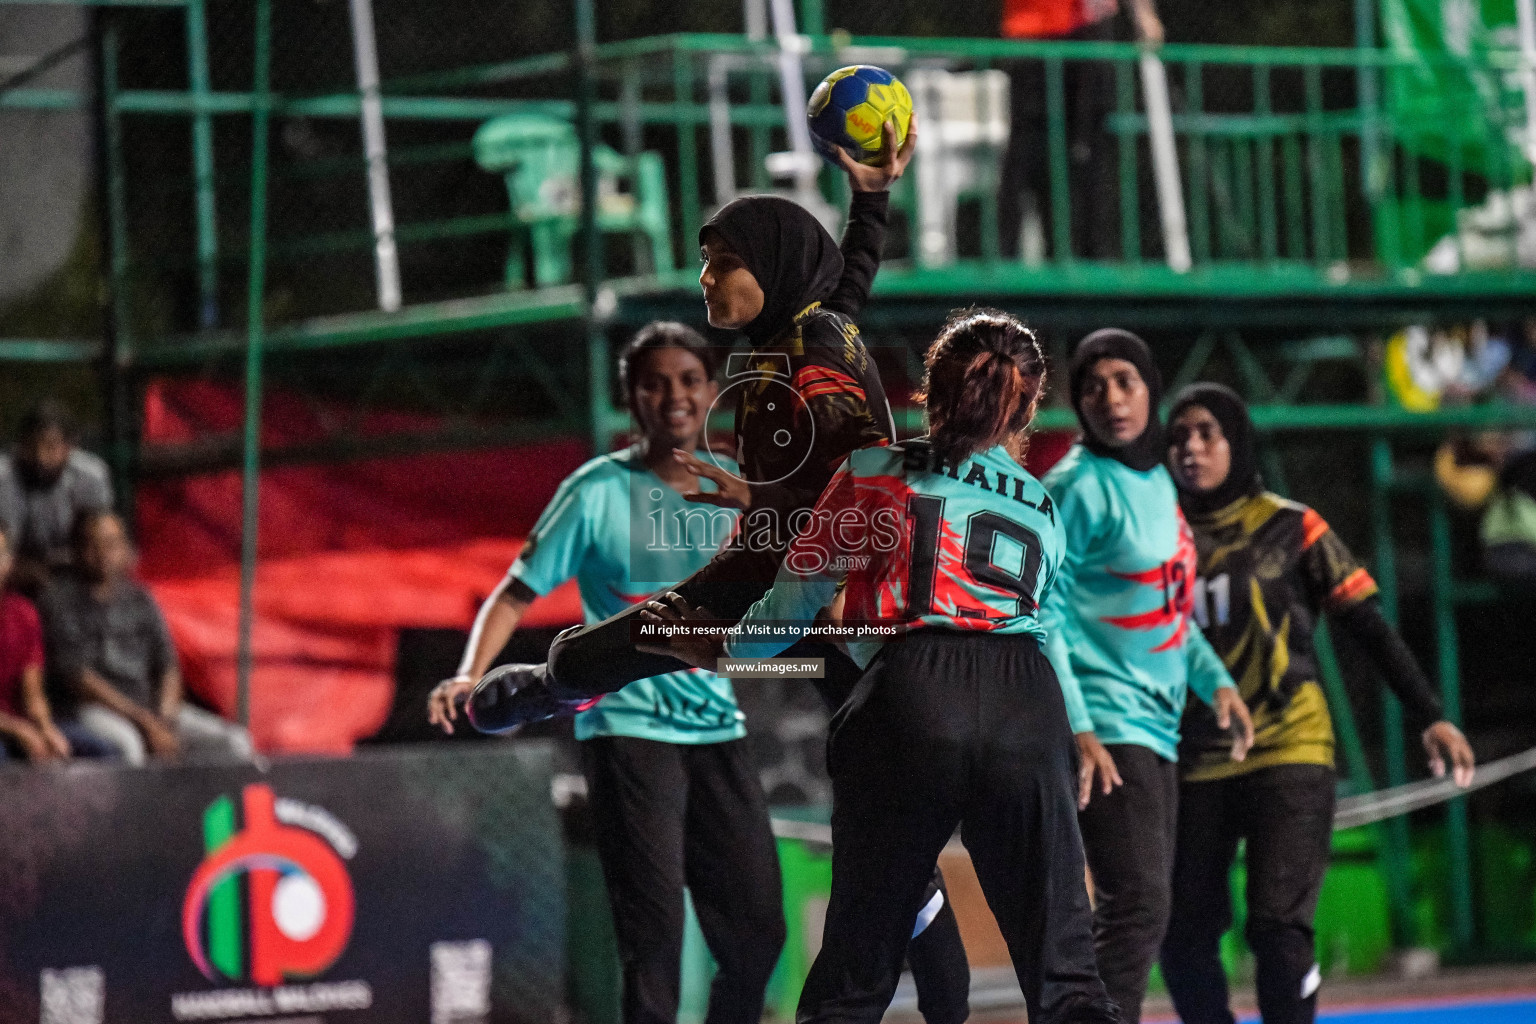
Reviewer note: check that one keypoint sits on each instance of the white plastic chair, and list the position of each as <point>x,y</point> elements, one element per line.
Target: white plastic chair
<point>963,120</point>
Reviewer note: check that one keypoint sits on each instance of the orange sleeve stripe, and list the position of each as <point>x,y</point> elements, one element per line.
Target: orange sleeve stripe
<point>817,390</point>
<point>809,375</point>
<point>1313,526</point>
<point>1356,585</point>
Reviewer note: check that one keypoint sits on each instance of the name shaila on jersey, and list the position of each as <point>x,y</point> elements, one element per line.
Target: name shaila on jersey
<point>920,542</point>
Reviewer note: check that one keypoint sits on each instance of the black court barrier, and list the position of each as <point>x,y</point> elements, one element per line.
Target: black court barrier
<point>393,886</point>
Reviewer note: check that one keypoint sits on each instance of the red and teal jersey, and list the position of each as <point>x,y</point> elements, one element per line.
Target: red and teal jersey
<point>918,543</point>
<point>1121,636</point>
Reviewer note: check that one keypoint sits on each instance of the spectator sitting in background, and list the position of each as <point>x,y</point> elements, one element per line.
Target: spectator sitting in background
<point>1494,471</point>
<point>1509,524</point>
<point>109,649</point>
<point>27,727</point>
<point>45,483</point>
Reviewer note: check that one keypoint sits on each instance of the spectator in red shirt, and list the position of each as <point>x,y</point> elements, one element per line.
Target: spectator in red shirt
<point>27,727</point>
<point>1089,98</point>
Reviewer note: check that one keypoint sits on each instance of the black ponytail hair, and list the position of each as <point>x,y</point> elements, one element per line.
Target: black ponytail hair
<point>983,376</point>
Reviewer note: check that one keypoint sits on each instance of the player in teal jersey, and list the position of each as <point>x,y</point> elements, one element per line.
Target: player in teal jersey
<point>1118,623</point>
<point>958,718</point>
<point>670,776</point>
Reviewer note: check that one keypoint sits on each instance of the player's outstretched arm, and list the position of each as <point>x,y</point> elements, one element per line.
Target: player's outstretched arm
<point>494,625</point>
<point>864,237</point>
<point>1211,682</point>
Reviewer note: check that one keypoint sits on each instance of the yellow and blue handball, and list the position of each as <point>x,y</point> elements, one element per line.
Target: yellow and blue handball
<point>849,108</point>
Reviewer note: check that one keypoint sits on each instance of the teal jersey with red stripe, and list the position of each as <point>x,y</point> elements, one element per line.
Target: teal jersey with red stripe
<point>1121,639</point>
<point>625,535</point>
<point>918,543</point>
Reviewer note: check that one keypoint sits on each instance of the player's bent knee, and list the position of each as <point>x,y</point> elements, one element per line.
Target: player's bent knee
<point>1280,940</point>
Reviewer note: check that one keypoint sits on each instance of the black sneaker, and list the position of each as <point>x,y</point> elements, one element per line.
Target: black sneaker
<point>510,696</point>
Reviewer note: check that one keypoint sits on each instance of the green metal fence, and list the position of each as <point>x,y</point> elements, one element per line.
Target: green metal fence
<point>1293,185</point>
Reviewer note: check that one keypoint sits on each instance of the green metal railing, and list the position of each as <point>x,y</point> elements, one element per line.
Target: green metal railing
<point>1267,139</point>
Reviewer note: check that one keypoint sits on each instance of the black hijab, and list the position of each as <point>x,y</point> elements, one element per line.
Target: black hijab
<point>1147,450</point>
<point>1231,412</point>
<point>793,258</point>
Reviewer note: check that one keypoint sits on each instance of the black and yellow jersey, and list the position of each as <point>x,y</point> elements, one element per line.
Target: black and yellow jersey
<point>1267,568</point>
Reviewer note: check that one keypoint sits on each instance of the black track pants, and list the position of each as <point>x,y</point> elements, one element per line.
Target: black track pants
<point>1128,836</point>
<point>936,955</point>
<point>948,729</point>
<point>1286,815</point>
<point>668,815</point>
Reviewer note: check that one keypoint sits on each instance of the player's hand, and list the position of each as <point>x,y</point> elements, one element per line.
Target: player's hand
<point>32,743</point>
<point>447,699</point>
<point>731,491</point>
<point>893,163</point>
<point>1148,25</point>
<point>160,738</point>
<point>1232,715</point>
<point>56,741</point>
<point>1094,760</point>
<point>670,609</point>
<point>1443,740</point>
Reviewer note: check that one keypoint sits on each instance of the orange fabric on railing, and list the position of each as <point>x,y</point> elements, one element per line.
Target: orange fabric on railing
<point>1051,19</point>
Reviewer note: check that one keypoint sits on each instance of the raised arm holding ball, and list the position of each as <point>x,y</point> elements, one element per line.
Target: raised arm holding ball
<point>808,393</point>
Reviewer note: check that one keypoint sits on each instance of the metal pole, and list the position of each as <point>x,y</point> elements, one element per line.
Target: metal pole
<point>813,17</point>
<point>1165,162</point>
<point>792,89</point>
<point>755,15</point>
<point>118,353</point>
<point>1446,646</point>
<point>598,399</point>
<point>202,167</point>
<point>722,156</point>
<point>386,258</point>
<point>1525,19</point>
<point>251,476</point>
<point>1399,888</point>
<point>1366,87</point>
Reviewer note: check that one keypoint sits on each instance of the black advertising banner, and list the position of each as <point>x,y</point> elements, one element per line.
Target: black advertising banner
<point>418,885</point>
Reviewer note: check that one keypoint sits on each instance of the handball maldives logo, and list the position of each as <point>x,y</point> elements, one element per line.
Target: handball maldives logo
<point>288,861</point>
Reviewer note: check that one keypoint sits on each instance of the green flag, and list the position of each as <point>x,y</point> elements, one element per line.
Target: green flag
<point>1462,87</point>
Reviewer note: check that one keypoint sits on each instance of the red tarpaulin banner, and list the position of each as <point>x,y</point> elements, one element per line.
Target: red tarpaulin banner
<point>349,554</point>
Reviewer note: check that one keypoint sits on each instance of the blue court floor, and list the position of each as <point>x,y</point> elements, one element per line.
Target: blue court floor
<point>1471,1010</point>
<point>1484,995</point>
<point>1511,1008</point>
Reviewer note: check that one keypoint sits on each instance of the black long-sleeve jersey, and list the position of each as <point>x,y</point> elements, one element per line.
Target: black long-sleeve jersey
<point>808,397</point>
<point>1268,569</point>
